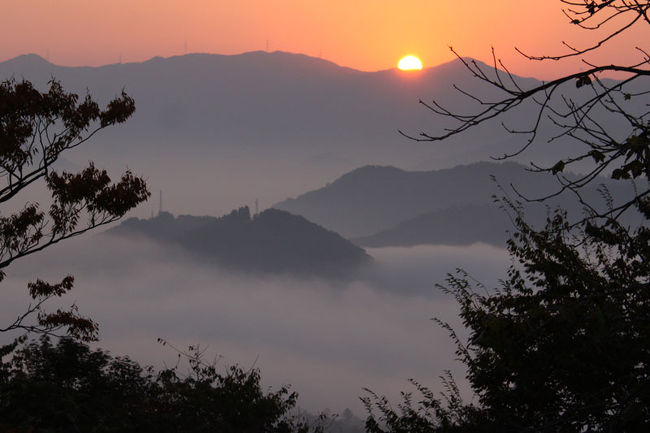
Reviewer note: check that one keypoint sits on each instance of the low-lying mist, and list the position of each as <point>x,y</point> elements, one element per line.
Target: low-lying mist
<point>328,340</point>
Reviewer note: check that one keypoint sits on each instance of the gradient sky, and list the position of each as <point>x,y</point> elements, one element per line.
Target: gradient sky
<point>362,34</point>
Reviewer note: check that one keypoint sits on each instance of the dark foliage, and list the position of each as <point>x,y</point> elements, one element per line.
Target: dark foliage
<point>608,132</point>
<point>36,128</point>
<point>563,345</point>
<point>67,387</point>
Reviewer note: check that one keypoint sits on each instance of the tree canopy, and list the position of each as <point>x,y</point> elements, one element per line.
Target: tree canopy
<point>597,116</point>
<point>36,128</point>
<point>68,387</point>
<point>563,344</point>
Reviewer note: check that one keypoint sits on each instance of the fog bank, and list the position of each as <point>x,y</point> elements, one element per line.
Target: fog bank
<point>328,340</point>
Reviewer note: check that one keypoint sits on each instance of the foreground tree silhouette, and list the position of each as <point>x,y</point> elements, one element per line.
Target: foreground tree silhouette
<point>564,111</point>
<point>67,387</point>
<point>35,130</point>
<point>564,344</point>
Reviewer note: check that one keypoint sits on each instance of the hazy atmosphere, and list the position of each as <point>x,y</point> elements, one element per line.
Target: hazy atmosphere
<point>328,340</point>
<point>329,197</point>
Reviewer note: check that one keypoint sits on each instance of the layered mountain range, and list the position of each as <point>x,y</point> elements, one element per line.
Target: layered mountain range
<point>216,131</point>
<point>386,206</point>
<point>265,126</point>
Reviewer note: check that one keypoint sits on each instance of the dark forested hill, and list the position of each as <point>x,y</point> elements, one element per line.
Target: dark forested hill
<point>273,241</point>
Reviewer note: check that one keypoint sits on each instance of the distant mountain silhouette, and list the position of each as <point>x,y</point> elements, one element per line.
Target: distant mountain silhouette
<point>463,225</point>
<point>273,241</point>
<point>270,125</point>
<point>431,204</point>
<point>280,104</point>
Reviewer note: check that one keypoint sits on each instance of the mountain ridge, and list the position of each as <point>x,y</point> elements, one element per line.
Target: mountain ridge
<point>456,225</point>
<point>272,241</point>
<point>34,58</point>
<point>371,199</point>
<point>270,125</point>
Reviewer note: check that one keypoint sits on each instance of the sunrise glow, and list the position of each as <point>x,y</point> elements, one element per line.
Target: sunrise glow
<point>410,63</point>
<point>361,34</point>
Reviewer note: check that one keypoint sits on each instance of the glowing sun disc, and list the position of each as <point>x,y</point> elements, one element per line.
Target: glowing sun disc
<point>410,63</point>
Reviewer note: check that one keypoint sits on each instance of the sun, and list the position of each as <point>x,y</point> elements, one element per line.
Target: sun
<point>410,63</point>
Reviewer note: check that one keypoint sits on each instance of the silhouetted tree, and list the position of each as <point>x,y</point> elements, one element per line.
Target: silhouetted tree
<point>620,151</point>
<point>563,345</point>
<point>36,128</point>
<point>67,387</point>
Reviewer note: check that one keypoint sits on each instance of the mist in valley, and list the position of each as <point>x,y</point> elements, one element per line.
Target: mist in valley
<point>214,132</point>
<point>320,144</point>
<point>224,139</point>
<point>327,339</point>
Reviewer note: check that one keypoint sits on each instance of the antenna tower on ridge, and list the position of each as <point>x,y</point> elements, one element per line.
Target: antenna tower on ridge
<point>160,208</point>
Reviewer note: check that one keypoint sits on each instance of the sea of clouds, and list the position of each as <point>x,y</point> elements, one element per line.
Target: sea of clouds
<point>328,340</point>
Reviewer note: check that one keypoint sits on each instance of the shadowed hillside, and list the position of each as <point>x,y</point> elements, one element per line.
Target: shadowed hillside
<point>375,199</point>
<point>273,241</point>
<point>463,225</point>
<point>267,126</point>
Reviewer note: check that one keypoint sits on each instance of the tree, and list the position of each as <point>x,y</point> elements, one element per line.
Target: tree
<point>623,154</point>
<point>36,128</point>
<point>67,387</point>
<point>564,343</point>
<point>82,390</point>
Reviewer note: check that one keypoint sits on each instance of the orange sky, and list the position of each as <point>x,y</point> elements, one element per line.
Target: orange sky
<point>362,34</point>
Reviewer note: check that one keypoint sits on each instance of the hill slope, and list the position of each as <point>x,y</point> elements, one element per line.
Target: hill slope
<point>463,225</point>
<point>270,125</point>
<point>373,199</point>
<point>273,241</point>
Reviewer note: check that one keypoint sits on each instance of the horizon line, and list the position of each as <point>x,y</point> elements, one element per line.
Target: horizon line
<point>223,55</point>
